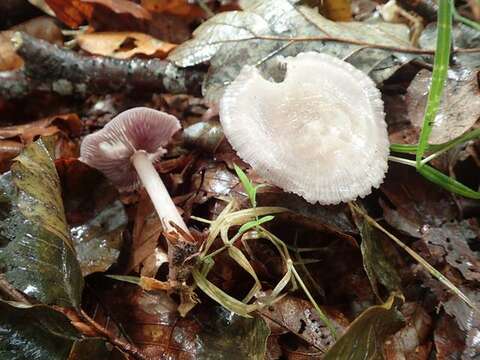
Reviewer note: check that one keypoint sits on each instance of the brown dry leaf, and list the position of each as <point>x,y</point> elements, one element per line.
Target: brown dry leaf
<point>44,127</point>
<point>8,150</point>
<point>337,10</point>
<point>71,12</point>
<point>124,45</point>
<point>146,231</point>
<point>9,60</point>
<point>123,7</point>
<point>459,109</point>
<point>174,7</point>
<point>76,12</point>
<point>42,27</point>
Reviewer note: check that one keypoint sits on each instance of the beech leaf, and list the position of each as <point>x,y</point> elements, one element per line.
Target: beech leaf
<point>39,258</point>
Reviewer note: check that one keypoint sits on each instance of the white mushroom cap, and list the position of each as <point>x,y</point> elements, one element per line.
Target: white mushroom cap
<point>320,133</point>
<point>110,149</point>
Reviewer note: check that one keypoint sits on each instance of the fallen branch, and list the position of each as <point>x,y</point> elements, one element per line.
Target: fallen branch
<point>50,68</point>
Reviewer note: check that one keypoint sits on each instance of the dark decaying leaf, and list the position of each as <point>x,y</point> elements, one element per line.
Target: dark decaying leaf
<point>34,333</point>
<point>468,321</point>
<point>39,258</point>
<point>226,335</point>
<point>230,40</point>
<point>366,336</point>
<point>151,322</point>
<point>413,340</point>
<point>298,316</point>
<point>449,339</point>
<point>377,264</point>
<point>96,218</point>
<point>413,203</point>
<point>453,239</point>
<point>98,241</point>
<point>460,106</point>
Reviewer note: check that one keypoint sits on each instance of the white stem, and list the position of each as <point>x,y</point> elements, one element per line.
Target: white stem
<point>166,209</point>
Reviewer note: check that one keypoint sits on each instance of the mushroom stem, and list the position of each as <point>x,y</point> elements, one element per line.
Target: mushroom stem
<point>166,209</point>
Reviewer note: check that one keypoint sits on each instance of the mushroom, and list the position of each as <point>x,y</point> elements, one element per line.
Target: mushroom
<point>125,150</point>
<point>320,133</point>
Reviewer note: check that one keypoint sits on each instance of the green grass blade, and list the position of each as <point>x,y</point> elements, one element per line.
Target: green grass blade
<point>439,75</point>
<point>447,182</point>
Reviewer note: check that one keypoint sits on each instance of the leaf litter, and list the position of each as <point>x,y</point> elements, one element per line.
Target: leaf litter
<point>306,281</point>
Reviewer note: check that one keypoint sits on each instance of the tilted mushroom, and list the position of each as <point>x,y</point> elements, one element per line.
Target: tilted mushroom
<point>125,150</point>
<point>320,133</point>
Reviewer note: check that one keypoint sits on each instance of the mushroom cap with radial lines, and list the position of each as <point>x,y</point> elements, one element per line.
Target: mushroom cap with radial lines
<point>320,133</point>
<point>110,149</point>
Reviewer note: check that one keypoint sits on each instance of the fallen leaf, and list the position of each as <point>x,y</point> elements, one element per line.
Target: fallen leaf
<point>411,342</point>
<point>75,12</point>
<point>147,229</point>
<point>449,340</point>
<point>462,35</point>
<point>98,242</point>
<point>413,204</point>
<point>366,335</point>
<point>226,335</point>
<point>9,60</point>
<point>44,127</point>
<point>123,45</point>
<point>233,39</point>
<point>39,251</point>
<point>453,238</point>
<point>123,7</point>
<point>182,8</point>
<point>34,332</point>
<point>459,108</point>
<point>298,316</point>
<point>337,10</point>
<point>467,319</point>
<point>71,12</point>
<point>378,266</point>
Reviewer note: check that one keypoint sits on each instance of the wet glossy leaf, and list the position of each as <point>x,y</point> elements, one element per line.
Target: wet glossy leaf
<point>34,333</point>
<point>231,40</point>
<point>366,335</point>
<point>40,258</point>
<point>98,241</point>
<point>226,335</point>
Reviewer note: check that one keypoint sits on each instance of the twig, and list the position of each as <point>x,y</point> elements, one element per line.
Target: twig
<point>364,44</point>
<point>68,73</point>
<point>114,340</point>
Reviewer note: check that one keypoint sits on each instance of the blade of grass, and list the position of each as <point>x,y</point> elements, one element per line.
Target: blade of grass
<point>439,75</point>
<point>442,180</point>
<point>434,272</point>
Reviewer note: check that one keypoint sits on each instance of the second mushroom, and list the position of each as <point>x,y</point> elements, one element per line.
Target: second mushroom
<point>125,151</point>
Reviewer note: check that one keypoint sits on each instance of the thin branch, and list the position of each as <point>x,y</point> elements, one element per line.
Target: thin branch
<point>49,67</point>
<point>364,44</point>
<point>114,340</point>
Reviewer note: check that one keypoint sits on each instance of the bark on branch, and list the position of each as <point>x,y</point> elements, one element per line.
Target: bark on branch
<point>50,68</point>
